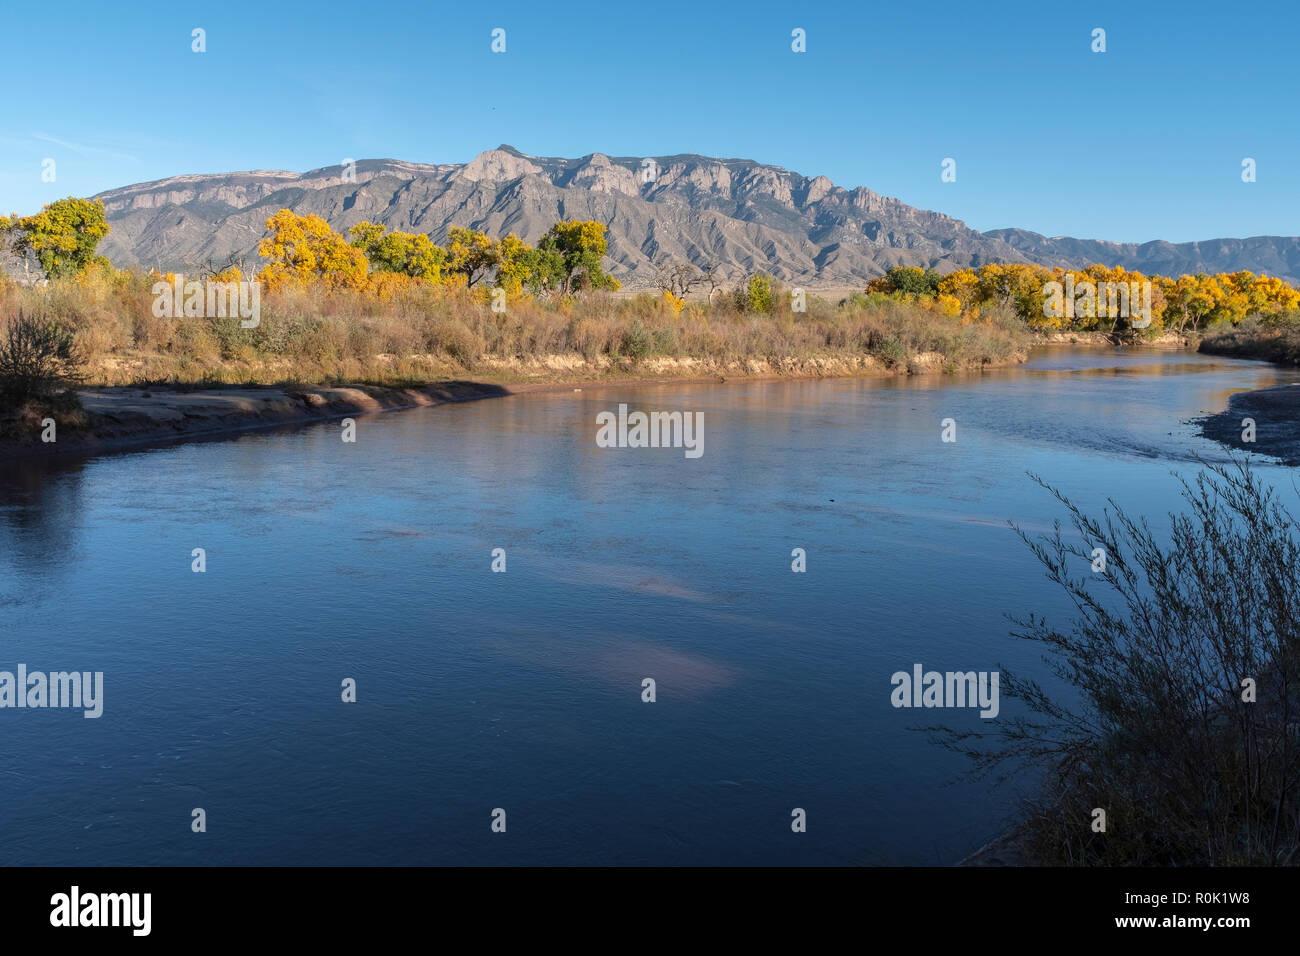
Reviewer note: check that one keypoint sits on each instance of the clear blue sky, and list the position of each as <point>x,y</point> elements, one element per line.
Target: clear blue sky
<point>1143,141</point>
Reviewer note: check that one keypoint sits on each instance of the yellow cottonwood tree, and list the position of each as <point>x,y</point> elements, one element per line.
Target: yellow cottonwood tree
<point>471,253</point>
<point>305,250</point>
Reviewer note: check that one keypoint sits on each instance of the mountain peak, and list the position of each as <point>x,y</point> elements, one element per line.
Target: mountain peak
<point>497,165</point>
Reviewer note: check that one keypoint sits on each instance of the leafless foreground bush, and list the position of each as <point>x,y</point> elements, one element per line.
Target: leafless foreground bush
<point>1164,732</point>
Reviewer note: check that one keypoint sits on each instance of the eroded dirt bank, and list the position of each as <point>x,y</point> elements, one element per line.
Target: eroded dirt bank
<point>122,416</point>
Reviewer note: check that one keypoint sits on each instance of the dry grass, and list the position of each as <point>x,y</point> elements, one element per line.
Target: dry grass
<point>420,333</point>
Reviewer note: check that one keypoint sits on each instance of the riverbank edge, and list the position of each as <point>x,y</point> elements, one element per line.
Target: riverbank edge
<point>1275,414</point>
<point>1164,341</point>
<point>129,417</point>
<point>1273,346</point>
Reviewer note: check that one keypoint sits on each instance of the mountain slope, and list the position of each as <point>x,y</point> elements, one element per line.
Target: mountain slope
<point>735,214</point>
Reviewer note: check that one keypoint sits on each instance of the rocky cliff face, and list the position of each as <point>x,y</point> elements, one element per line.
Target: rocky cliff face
<point>737,215</point>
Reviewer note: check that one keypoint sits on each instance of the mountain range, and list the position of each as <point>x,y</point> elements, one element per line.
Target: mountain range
<point>736,215</point>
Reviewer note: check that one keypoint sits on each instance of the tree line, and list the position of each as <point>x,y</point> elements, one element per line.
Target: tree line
<point>306,249</point>
<point>568,259</point>
<point>1185,304</point>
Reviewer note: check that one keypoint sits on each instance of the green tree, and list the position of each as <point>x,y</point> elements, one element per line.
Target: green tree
<point>528,267</point>
<point>63,235</point>
<point>412,254</point>
<point>579,245</point>
<point>910,280</point>
<point>366,235</point>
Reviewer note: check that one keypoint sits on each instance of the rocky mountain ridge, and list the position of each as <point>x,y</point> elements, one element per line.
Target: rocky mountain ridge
<point>738,215</point>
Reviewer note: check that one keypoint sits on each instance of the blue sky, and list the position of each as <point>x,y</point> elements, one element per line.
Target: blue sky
<point>1141,142</point>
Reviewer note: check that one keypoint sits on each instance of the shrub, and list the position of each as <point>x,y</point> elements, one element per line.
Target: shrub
<point>637,343</point>
<point>1160,736</point>
<point>758,294</point>
<point>38,358</point>
<point>455,339</point>
<point>891,352</point>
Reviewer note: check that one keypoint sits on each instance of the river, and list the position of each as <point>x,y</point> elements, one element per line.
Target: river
<point>477,690</point>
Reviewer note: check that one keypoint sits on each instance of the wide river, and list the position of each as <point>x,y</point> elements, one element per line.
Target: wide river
<point>475,690</point>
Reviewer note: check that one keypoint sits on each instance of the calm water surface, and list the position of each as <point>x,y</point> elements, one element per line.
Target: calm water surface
<point>523,690</point>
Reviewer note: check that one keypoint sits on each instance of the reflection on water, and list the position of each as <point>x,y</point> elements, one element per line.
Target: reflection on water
<point>523,690</point>
<point>40,508</point>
